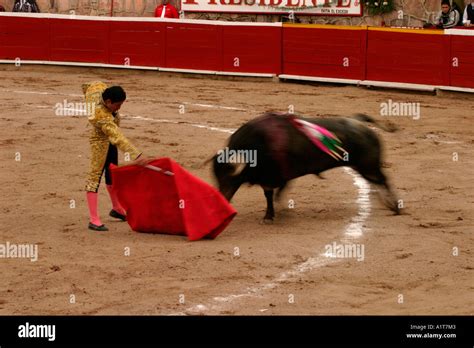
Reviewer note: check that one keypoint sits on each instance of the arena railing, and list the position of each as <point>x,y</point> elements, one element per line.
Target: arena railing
<point>391,57</point>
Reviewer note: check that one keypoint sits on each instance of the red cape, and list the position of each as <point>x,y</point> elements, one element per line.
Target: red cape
<point>179,203</point>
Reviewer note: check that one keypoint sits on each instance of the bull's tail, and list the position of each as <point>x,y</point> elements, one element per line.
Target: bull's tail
<point>386,126</point>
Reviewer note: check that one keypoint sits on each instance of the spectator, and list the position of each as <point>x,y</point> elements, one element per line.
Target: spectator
<point>2,9</point>
<point>449,16</point>
<point>26,6</point>
<point>166,10</point>
<point>468,18</point>
<point>456,7</point>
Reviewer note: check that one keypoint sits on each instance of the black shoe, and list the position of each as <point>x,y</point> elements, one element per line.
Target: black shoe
<point>117,215</point>
<point>97,228</point>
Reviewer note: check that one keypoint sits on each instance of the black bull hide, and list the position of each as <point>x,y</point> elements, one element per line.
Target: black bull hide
<point>284,153</point>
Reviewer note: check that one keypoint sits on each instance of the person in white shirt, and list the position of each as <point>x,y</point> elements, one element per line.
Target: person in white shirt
<point>468,17</point>
<point>26,6</point>
<point>449,17</point>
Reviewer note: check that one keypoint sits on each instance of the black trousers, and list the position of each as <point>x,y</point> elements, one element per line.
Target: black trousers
<point>112,157</point>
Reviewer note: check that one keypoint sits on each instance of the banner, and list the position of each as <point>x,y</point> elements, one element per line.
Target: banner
<point>306,7</point>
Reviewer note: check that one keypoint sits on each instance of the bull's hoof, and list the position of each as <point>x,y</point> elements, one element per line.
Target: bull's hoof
<point>267,221</point>
<point>397,212</point>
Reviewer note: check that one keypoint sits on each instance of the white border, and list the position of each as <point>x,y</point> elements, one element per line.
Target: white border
<point>460,32</point>
<point>387,84</point>
<point>456,89</point>
<point>213,72</point>
<point>412,86</point>
<point>138,19</point>
<point>136,67</point>
<point>190,71</point>
<point>211,22</point>
<point>407,86</point>
<point>80,64</point>
<point>231,73</point>
<point>318,79</point>
<point>78,17</point>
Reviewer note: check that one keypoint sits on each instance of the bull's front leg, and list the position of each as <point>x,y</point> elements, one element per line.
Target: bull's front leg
<point>270,213</point>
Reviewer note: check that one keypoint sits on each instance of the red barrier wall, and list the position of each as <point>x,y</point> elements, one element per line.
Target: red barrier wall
<point>462,61</point>
<point>313,50</point>
<point>193,46</point>
<point>171,44</point>
<point>24,38</point>
<point>258,49</point>
<point>137,43</point>
<point>79,41</point>
<point>356,53</point>
<point>409,56</point>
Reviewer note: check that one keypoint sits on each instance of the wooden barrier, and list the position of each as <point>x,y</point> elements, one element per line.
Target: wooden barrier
<point>361,55</point>
<point>461,62</point>
<point>324,51</point>
<point>409,56</point>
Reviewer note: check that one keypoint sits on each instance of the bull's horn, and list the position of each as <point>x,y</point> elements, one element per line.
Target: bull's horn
<point>238,168</point>
<point>206,161</point>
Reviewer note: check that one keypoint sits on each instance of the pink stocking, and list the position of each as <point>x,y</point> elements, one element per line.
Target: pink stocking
<point>92,202</point>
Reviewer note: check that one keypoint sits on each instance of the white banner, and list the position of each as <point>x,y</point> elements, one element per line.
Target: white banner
<point>308,7</point>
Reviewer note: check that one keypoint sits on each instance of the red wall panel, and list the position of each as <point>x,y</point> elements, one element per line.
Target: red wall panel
<point>322,52</point>
<point>143,43</point>
<point>79,40</point>
<point>258,49</point>
<point>392,55</point>
<point>408,57</point>
<point>24,38</point>
<point>193,46</point>
<point>462,48</point>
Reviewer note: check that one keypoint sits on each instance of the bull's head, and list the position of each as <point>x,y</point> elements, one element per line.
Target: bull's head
<point>228,175</point>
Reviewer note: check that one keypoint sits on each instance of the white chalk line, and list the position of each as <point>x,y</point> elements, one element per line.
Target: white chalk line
<point>352,232</point>
<point>81,96</point>
<point>81,112</point>
<point>216,106</point>
<point>212,128</point>
<point>41,93</point>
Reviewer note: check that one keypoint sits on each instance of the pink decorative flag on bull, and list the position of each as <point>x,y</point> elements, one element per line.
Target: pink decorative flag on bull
<point>321,137</point>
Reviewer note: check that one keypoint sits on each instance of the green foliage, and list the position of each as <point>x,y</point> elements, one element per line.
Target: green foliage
<point>377,7</point>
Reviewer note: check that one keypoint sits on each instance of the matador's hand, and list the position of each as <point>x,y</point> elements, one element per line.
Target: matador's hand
<point>141,161</point>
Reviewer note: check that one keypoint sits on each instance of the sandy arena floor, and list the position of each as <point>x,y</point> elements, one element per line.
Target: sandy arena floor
<point>280,269</point>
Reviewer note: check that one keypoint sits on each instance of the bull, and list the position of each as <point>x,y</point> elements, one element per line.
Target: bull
<point>285,153</point>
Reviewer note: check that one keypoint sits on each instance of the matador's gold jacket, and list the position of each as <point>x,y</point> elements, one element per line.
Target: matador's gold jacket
<point>105,130</point>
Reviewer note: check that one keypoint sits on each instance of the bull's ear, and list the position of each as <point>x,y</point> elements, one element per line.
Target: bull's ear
<point>206,161</point>
<point>238,168</point>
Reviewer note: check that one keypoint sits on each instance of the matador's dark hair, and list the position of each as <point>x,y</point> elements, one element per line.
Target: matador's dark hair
<point>115,94</point>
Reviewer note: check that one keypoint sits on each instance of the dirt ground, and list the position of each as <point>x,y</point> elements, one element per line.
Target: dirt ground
<point>410,266</point>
